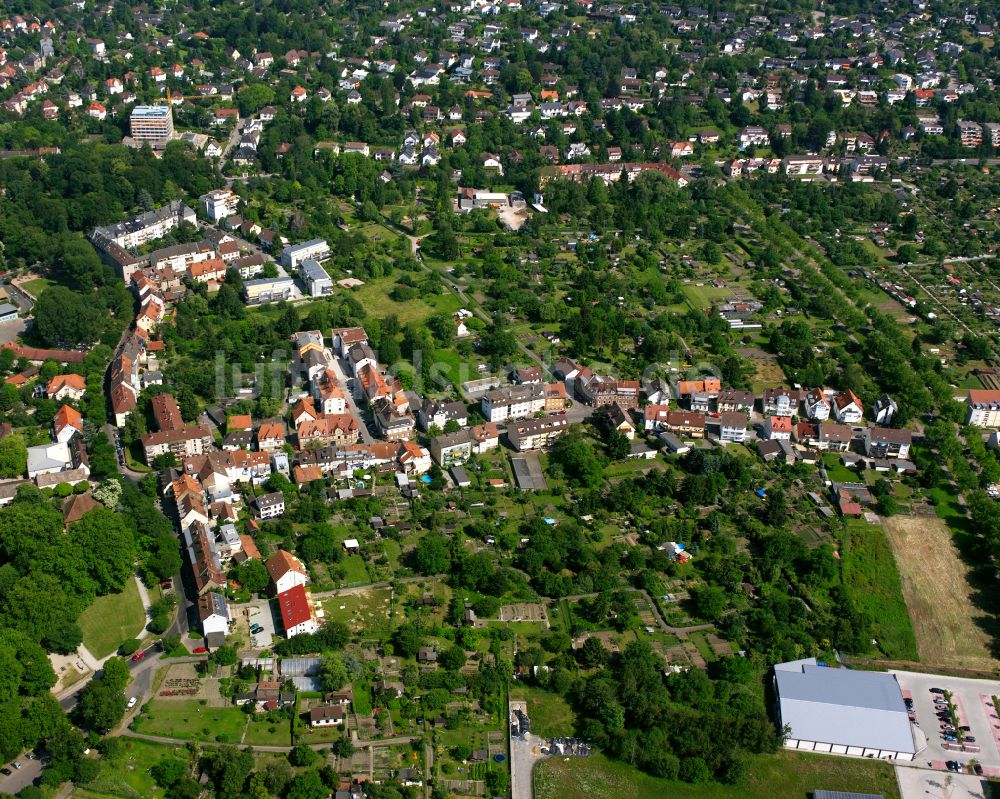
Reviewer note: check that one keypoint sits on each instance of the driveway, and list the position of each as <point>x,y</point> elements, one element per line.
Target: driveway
<point>525,752</point>
<point>257,611</point>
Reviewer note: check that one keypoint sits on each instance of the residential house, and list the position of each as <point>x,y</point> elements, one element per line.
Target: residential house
<point>67,423</point>
<point>778,428</point>
<point>213,613</point>
<point>888,442</point>
<point>62,387</point>
<point>286,571</point>
<point>686,423</point>
<point>848,408</point>
<point>732,427</point>
<point>984,408</point>
<point>269,506</point>
<point>298,615</point>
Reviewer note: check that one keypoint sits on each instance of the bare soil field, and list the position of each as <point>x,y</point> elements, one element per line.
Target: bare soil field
<point>951,631</point>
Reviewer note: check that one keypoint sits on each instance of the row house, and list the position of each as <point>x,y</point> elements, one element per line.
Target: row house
<point>537,433</point>
<point>823,436</point>
<point>339,429</point>
<point>888,442</point>
<point>597,390</point>
<point>686,423</point>
<point>514,402</point>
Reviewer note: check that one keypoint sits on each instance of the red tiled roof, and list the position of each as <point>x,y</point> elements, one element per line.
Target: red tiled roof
<point>295,607</point>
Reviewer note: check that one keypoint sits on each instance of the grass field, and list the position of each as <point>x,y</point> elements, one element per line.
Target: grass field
<point>36,287</point>
<point>374,297</point>
<point>112,619</point>
<point>870,570</point>
<point>550,714</point>
<point>269,733</point>
<point>355,570</point>
<point>368,610</point>
<point>191,721</point>
<point>127,777</point>
<point>950,631</point>
<point>787,775</point>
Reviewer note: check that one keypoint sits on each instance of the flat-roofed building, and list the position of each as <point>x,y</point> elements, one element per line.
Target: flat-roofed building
<point>842,711</point>
<point>152,123</point>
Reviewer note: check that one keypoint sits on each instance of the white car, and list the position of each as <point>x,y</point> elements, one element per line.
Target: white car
<point>132,702</point>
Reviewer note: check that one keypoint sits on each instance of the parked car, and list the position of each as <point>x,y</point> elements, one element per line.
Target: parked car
<point>199,650</point>
<point>952,765</point>
<point>938,691</point>
<point>965,728</point>
<point>16,764</point>
<point>6,771</point>
<point>978,769</point>
<point>969,739</point>
<point>132,702</point>
<point>139,655</point>
<point>949,737</point>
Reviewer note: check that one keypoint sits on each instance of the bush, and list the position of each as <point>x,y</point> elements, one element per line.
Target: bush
<point>302,756</point>
<point>129,647</point>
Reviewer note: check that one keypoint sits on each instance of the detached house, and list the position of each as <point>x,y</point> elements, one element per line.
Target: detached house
<point>848,408</point>
<point>778,428</point>
<point>286,571</point>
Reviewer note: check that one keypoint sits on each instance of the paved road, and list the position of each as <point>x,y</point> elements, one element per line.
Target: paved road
<point>524,755</point>
<point>352,406</point>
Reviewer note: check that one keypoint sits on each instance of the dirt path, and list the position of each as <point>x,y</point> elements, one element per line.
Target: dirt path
<point>951,631</point>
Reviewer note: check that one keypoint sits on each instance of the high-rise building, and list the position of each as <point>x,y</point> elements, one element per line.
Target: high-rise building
<point>152,123</point>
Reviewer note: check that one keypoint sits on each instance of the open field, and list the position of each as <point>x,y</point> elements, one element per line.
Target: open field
<point>112,619</point>
<point>786,775</point>
<point>870,570</point>
<point>192,721</point>
<point>950,631</point>
<point>374,297</point>
<point>127,777</point>
<point>550,714</point>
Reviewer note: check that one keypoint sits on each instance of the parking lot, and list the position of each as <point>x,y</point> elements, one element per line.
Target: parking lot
<point>259,611</point>
<point>973,705</point>
<point>917,783</point>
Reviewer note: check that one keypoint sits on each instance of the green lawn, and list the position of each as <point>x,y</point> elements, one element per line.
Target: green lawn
<point>112,619</point>
<point>36,287</point>
<point>355,570</point>
<point>787,775</point>
<point>550,714</point>
<point>869,568</point>
<point>191,721</point>
<point>836,470</point>
<point>269,733</point>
